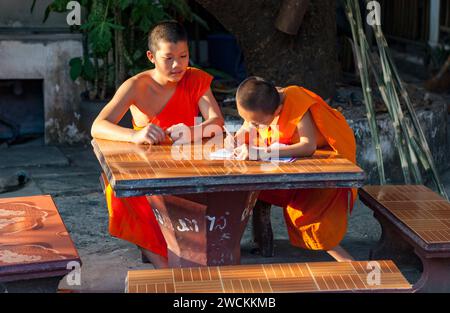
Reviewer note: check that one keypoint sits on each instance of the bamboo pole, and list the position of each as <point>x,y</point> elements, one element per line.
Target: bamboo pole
<point>409,137</point>
<point>367,92</point>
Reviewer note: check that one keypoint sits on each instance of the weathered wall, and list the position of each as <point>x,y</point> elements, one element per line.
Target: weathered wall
<point>17,14</point>
<point>433,120</point>
<point>47,57</point>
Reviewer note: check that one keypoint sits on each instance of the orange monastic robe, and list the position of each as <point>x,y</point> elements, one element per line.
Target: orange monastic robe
<point>316,218</point>
<point>132,218</point>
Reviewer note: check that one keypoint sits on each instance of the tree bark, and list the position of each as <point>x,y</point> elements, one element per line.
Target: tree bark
<point>308,59</point>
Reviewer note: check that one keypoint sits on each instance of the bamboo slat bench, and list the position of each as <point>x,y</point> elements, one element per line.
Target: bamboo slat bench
<point>36,250</point>
<point>271,278</point>
<point>416,218</point>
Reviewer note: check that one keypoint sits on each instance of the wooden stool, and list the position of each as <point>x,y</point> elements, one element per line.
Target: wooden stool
<point>379,276</point>
<point>413,218</point>
<point>36,250</point>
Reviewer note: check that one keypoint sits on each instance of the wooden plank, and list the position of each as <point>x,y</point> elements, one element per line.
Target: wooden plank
<point>137,170</point>
<point>34,241</point>
<point>289,277</point>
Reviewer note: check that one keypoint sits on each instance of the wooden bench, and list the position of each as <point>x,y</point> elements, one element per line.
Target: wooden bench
<point>269,278</point>
<point>413,219</point>
<point>36,250</point>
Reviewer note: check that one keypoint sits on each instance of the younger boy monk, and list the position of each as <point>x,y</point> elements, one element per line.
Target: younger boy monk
<point>164,102</point>
<point>300,120</point>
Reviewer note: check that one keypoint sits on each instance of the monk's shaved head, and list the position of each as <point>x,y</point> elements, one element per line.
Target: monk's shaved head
<point>257,94</point>
<point>170,31</point>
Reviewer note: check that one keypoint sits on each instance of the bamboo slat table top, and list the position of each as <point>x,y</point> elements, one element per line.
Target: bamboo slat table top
<point>268,278</point>
<point>423,211</point>
<point>137,170</point>
<point>33,238</point>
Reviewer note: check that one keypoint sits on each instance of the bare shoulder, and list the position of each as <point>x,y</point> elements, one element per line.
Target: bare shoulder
<point>137,81</point>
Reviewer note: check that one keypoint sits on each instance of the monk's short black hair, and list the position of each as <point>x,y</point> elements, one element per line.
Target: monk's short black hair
<point>170,31</point>
<point>258,94</point>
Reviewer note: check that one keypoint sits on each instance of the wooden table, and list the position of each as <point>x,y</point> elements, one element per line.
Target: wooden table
<point>203,205</point>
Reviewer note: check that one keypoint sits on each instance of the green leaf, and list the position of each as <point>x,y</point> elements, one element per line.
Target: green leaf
<point>56,6</point>
<point>88,69</point>
<point>123,4</point>
<point>116,26</point>
<point>46,13</point>
<point>74,61</point>
<point>75,68</point>
<point>101,38</point>
<point>32,6</point>
<point>85,3</point>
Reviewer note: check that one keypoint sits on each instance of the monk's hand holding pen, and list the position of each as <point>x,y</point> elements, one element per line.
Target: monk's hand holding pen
<point>151,134</point>
<point>241,152</point>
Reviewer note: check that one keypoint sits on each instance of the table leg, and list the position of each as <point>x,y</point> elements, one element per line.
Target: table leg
<point>392,246</point>
<point>436,273</point>
<point>203,229</point>
<point>262,228</point>
<point>435,268</point>
<point>38,285</point>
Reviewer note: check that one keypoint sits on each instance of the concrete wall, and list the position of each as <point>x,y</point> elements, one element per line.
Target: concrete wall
<point>433,120</point>
<point>16,14</point>
<point>47,57</point>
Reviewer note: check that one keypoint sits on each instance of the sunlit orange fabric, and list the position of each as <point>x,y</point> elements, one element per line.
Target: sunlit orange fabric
<point>132,218</point>
<point>316,218</point>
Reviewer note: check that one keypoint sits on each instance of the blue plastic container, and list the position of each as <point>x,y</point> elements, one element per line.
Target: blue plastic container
<point>224,54</point>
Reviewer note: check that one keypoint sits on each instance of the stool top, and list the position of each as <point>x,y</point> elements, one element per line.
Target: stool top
<point>267,278</point>
<point>419,208</point>
<point>33,239</point>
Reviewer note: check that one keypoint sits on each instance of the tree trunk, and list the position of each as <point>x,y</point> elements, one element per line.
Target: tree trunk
<point>308,59</point>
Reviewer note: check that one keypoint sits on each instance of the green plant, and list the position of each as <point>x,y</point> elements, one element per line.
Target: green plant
<point>409,137</point>
<point>115,35</point>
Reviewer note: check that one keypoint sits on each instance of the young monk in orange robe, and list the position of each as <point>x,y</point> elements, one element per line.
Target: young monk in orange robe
<point>164,102</point>
<point>316,219</point>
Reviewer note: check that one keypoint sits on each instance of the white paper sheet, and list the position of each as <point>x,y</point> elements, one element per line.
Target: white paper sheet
<point>224,154</point>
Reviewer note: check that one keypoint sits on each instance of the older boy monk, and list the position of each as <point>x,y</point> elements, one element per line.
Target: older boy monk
<point>296,117</point>
<point>164,102</point>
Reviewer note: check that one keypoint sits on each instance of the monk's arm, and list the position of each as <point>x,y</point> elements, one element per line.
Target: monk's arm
<point>307,144</point>
<point>210,111</point>
<point>105,125</point>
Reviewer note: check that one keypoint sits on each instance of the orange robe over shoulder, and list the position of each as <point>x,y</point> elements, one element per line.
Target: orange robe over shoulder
<point>132,218</point>
<point>316,218</point>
